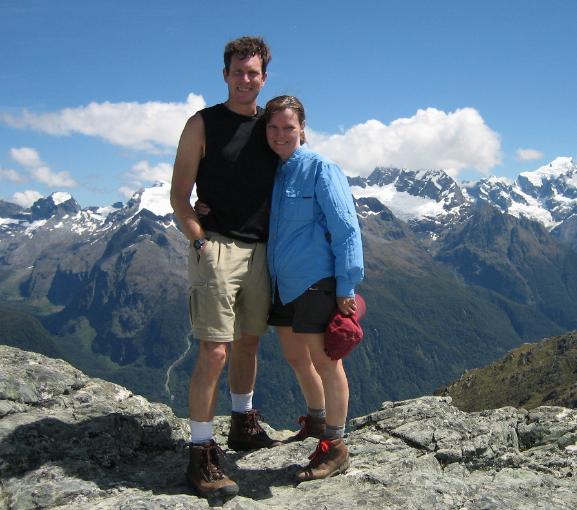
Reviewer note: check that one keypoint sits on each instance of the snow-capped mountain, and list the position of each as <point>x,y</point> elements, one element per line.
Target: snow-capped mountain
<point>430,200</point>
<point>547,195</point>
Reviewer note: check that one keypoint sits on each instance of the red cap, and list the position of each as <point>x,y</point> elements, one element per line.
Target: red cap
<point>344,332</point>
<point>361,306</point>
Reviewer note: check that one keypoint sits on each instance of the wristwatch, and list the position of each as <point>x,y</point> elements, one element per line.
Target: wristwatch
<point>199,243</point>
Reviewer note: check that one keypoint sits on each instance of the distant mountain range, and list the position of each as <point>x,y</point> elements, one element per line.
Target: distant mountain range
<point>456,275</point>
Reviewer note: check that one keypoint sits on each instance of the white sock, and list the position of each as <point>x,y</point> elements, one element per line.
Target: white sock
<point>241,402</point>
<point>200,431</point>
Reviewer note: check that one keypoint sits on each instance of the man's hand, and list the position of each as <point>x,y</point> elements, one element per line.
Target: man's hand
<point>201,209</point>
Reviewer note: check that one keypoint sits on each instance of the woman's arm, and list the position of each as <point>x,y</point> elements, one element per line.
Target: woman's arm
<point>334,197</point>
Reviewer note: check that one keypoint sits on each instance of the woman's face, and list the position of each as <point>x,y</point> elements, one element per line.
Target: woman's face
<point>283,132</point>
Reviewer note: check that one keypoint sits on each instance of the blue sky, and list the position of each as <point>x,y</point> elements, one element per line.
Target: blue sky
<point>93,95</point>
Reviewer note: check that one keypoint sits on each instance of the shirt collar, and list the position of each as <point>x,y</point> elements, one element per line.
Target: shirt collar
<point>295,156</point>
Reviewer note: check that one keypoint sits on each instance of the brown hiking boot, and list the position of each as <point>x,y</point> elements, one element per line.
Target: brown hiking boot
<point>204,474</point>
<point>311,427</point>
<point>247,434</point>
<point>330,458</point>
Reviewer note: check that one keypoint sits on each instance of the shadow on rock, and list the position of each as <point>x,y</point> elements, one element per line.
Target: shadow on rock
<point>111,451</point>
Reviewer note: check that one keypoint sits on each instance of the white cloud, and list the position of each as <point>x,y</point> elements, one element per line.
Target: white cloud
<point>153,126</point>
<point>46,176</point>
<point>529,154</point>
<point>8,174</point>
<point>26,198</point>
<point>127,191</point>
<point>144,172</point>
<point>30,159</point>
<point>26,156</point>
<point>431,138</point>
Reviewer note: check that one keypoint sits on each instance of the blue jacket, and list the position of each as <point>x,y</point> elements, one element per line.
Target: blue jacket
<point>314,232</point>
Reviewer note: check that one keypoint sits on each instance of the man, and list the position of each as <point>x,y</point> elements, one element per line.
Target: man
<point>223,151</point>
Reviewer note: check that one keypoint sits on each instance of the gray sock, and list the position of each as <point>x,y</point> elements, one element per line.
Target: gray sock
<point>316,413</point>
<point>334,432</point>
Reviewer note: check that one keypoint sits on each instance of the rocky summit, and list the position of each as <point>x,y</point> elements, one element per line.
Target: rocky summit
<point>71,442</point>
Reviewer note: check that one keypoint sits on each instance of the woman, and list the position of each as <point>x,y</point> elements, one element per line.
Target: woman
<point>315,260</point>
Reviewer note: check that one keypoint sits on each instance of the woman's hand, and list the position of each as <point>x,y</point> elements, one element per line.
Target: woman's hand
<point>201,209</point>
<point>347,305</point>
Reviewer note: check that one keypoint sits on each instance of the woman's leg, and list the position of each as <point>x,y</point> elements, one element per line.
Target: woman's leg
<point>296,351</point>
<point>334,379</point>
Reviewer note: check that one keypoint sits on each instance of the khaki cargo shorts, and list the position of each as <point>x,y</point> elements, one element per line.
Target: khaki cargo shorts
<point>229,289</point>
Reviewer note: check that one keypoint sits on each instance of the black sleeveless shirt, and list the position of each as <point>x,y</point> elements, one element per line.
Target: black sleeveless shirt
<point>236,175</point>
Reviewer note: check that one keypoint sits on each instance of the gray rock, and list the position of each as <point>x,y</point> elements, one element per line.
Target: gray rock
<point>70,442</point>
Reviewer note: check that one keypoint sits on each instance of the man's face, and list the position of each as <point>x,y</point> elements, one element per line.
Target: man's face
<point>244,79</point>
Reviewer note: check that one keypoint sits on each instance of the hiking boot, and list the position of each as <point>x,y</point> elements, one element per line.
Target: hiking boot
<point>330,458</point>
<point>247,434</point>
<point>311,426</point>
<point>204,474</point>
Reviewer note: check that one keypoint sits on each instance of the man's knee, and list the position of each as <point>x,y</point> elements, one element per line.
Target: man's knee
<point>247,344</point>
<point>212,356</point>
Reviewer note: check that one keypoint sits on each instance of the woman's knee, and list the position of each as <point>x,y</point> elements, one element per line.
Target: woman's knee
<point>299,363</point>
<point>325,366</point>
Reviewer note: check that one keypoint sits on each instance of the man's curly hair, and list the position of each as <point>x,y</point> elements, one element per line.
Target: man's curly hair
<point>246,47</point>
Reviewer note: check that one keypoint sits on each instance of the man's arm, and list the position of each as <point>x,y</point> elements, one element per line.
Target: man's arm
<point>188,155</point>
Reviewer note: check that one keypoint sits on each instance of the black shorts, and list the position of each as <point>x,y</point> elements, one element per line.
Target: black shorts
<point>308,313</point>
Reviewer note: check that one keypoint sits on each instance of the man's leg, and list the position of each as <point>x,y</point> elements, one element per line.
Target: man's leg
<point>203,385</point>
<point>243,364</point>
<point>204,473</point>
<point>252,304</point>
<point>245,431</point>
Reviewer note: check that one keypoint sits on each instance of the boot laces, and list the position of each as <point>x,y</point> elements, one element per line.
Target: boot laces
<point>253,427</point>
<point>303,421</point>
<point>321,450</point>
<point>211,470</point>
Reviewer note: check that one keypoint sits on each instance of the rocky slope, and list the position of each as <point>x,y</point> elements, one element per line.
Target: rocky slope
<point>69,442</point>
<point>535,374</point>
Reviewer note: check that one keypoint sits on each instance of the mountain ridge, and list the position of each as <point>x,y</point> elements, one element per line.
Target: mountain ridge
<point>445,293</point>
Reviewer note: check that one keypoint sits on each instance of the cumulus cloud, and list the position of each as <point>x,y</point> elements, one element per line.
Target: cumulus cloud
<point>26,198</point>
<point>529,154</point>
<point>46,176</point>
<point>8,174</point>
<point>143,173</point>
<point>431,138</point>
<point>40,171</point>
<point>127,191</point>
<point>153,126</point>
<point>26,156</point>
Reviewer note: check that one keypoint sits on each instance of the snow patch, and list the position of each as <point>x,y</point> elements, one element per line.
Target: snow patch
<point>156,199</point>
<point>556,168</point>
<point>403,205</point>
<point>60,197</point>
